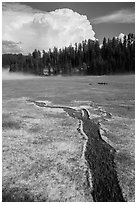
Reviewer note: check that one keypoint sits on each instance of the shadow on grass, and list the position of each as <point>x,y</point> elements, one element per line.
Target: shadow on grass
<point>10,125</point>
<point>16,195</point>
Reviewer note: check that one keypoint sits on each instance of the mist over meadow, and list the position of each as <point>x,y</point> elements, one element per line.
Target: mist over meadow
<point>6,75</point>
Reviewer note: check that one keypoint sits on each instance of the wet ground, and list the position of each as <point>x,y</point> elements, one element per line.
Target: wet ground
<point>49,149</point>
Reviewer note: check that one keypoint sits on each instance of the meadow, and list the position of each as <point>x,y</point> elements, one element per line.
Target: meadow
<point>42,148</point>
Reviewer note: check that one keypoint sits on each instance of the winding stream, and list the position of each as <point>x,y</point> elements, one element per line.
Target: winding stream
<point>99,156</point>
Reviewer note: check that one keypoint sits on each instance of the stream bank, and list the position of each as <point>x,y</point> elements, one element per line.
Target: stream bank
<point>99,156</point>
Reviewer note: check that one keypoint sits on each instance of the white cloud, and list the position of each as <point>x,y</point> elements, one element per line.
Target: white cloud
<point>10,46</point>
<point>43,30</point>
<point>121,16</point>
<point>121,37</point>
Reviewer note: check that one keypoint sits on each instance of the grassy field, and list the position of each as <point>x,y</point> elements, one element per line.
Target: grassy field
<point>42,149</point>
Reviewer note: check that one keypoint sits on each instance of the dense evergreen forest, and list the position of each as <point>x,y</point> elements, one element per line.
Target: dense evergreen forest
<point>86,58</point>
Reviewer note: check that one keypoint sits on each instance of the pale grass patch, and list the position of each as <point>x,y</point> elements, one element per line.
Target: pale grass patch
<point>47,162</point>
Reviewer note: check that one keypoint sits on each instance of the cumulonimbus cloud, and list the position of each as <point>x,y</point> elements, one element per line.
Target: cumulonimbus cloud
<point>121,16</point>
<point>43,30</point>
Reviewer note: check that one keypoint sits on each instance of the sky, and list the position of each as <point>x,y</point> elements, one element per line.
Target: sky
<point>43,25</point>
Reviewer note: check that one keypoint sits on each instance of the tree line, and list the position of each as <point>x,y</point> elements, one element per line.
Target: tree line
<point>86,58</point>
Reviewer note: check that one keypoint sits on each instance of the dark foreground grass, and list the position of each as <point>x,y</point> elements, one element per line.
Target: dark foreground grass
<point>42,150</point>
<point>16,195</point>
<point>10,125</point>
